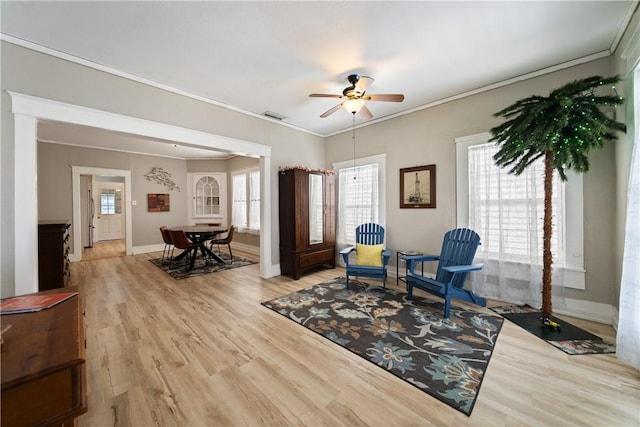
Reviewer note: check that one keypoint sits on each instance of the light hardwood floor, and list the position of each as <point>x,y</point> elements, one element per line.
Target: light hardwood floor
<point>204,352</point>
<point>104,249</point>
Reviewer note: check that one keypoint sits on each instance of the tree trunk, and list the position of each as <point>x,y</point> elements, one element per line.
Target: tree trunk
<point>547,257</point>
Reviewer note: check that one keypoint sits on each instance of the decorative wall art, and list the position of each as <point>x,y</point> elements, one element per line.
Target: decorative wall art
<point>162,177</point>
<point>418,187</point>
<point>158,202</point>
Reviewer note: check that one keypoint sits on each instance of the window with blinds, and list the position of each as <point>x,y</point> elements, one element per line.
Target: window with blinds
<point>508,210</point>
<point>359,200</point>
<point>245,208</point>
<point>254,200</point>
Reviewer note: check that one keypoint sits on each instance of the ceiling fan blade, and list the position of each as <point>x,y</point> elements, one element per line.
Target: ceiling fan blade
<point>331,111</point>
<point>364,111</point>
<point>363,84</point>
<point>324,95</point>
<point>389,97</point>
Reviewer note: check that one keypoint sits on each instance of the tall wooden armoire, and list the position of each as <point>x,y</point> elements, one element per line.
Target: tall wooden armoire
<point>307,221</point>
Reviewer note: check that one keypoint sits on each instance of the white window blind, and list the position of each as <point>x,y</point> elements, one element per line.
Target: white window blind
<point>254,205</point>
<point>239,207</point>
<point>246,200</point>
<point>508,210</point>
<point>359,200</point>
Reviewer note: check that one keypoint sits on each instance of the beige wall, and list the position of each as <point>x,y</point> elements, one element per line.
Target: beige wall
<point>55,189</point>
<point>55,192</point>
<point>428,137</point>
<point>32,73</point>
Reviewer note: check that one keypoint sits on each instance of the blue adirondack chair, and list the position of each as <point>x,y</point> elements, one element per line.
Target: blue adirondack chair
<point>368,234</point>
<point>454,263</point>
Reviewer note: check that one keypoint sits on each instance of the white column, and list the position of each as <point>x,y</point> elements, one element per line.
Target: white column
<point>26,204</point>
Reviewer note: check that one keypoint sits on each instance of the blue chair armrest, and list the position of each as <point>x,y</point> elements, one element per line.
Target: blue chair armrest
<point>386,254</point>
<point>348,250</point>
<point>463,268</point>
<point>345,253</point>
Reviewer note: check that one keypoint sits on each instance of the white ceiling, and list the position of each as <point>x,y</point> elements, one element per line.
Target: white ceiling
<point>269,56</point>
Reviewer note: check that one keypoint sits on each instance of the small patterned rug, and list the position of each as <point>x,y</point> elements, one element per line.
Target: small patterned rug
<point>570,339</point>
<point>444,358</point>
<point>177,271</point>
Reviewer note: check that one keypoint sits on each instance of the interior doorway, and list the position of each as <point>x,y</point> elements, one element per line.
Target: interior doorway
<point>28,110</point>
<point>87,204</point>
<point>109,224</point>
<point>102,216</point>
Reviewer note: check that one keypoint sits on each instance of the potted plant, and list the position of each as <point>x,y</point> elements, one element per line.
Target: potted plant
<point>563,128</point>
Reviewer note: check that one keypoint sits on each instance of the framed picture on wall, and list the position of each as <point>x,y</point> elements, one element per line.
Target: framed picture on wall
<point>158,202</point>
<point>418,187</point>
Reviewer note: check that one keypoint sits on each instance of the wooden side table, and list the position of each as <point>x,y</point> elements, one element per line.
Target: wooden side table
<point>43,365</point>
<point>405,252</point>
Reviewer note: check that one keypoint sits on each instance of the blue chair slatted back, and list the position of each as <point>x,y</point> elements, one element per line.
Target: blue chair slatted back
<point>370,234</point>
<point>459,247</point>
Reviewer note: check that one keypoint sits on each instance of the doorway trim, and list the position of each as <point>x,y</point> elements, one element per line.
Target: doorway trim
<point>27,110</point>
<point>76,172</point>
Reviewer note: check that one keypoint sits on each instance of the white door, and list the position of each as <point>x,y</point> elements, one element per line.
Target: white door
<point>109,212</point>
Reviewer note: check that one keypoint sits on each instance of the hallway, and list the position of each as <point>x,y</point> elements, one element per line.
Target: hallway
<point>104,249</point>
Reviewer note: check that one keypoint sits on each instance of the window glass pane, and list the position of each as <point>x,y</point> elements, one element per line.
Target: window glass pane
<point>107,202</point>
<point>508,210</point>
<point>254,206</point>
<point>239,204</point>
<point>118,201</point>
<point>359,199</point>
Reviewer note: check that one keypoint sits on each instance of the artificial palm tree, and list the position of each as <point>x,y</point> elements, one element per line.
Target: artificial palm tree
<point>563,127</point>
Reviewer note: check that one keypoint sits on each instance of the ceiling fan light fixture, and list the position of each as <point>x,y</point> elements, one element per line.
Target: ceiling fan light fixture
<point>353,105</point>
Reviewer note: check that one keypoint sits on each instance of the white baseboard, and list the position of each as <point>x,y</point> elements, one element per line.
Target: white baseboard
<point>273,271</point>
<point>587,310</point>
<point>616,316</point>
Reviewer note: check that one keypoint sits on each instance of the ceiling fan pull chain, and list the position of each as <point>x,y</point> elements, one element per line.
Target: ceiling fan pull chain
<point>353,137</point>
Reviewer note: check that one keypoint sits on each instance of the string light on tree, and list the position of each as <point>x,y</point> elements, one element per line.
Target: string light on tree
<point>563,128</point>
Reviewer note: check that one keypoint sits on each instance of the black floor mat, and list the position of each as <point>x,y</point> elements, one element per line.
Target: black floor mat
<point>531,323</point>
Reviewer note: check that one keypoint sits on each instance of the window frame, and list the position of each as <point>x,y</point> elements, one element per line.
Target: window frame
<point>247,172</point>
<point>380,160</point>
<point>574,208</point>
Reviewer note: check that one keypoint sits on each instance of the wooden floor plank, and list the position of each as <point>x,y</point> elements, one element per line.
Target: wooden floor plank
<point>204,351</point>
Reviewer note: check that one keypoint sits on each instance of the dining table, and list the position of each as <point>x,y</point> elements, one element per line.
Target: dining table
<point>200,234</point>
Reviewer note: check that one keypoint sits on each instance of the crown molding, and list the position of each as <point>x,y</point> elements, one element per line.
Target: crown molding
<point>90,64</point>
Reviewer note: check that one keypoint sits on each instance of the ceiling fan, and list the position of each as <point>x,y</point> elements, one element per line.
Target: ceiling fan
<point>354,97</point>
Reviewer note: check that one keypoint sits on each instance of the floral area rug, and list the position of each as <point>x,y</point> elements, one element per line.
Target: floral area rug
<point>444,358</point>
<point>570,339</point>
<point>177,271</point>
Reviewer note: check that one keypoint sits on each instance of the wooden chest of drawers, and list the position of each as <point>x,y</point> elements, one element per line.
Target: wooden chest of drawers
<point>43,366</point>
<point>53,254</point>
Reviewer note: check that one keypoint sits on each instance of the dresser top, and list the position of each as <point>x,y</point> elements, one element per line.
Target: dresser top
<point>54,222</point>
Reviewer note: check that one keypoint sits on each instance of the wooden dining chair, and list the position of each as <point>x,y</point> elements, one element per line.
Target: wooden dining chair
<point>225,241</point>
<point>181,241</point>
